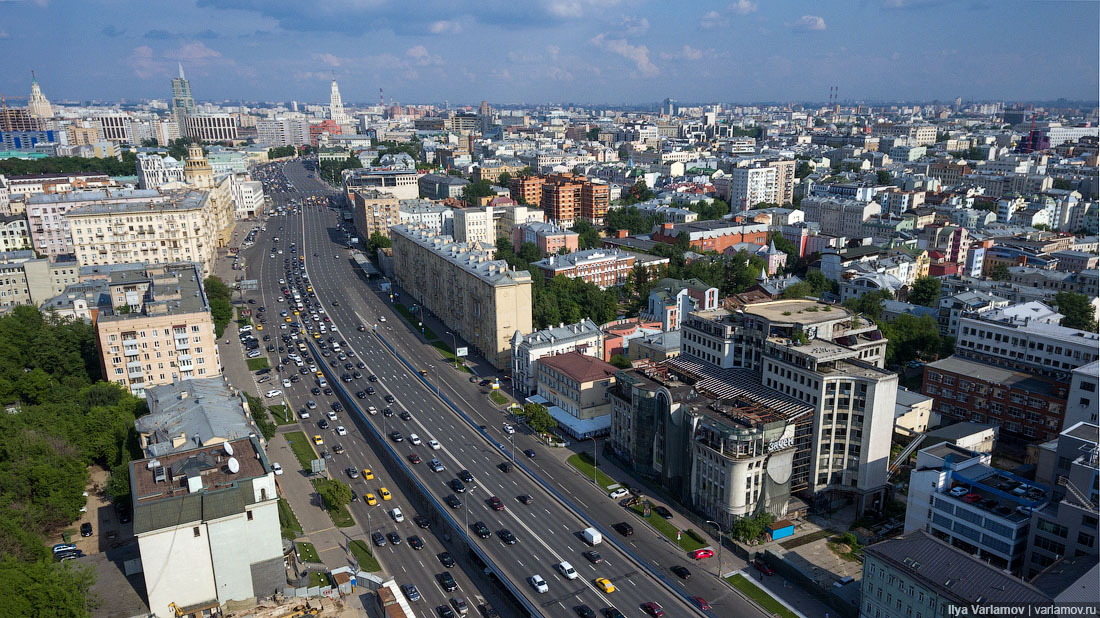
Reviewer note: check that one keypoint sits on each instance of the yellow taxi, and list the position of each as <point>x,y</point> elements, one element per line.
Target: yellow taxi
<point>318,440</point>
<point>320,373</point>
<point>605,584</point>
<point>367,474</point>
<point>385,493</point>
<point>371,500</point>
<point>296,312</point>
<point>259,327</point>
<point>288,320</point>
<point>309,288</point>
<point>316,335</point>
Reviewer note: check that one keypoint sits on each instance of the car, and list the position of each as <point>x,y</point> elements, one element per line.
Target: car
<point>445,611</point>
<point>700,554</point>
<point>63,547</point>
<point>276,468</point>
<point>378,539</point>
<point>435,465</point>
<point>315,390</point>
<point>481,529</point>
<point>416,542</point>
<point>452,501</point>
<point>286,383</point>
<point>394,538</point>
<point>663,512</point>
<point>404,415</point>
<point>457,486</point>
<point>538,583</point>
<point>381,318</point>
<point>623,528</point>
<point>273,393</point>
<point>361,328</point>
<point>617,493</point>
<point>360,365</point>
<point>495,503</point>
<point>125,513</point>
<point>763,567</point>
<point>447,581</point>
<point>584,611</point>
<point>445,559</point>
<point>353,473</point>
<point>390,399</point>
<point>653,609</point>
<point>958,492</point>
<point>508,429</point>
<point>361,395</point>
<point>460,605</point>
<point>86,529</point>
<point>525,498</point>
<point>434,444</point>
<point>338,449</point>
<point>318,440</point>
<point>422,522</point>
<point>680,571</point>
<point>387,412</point>
<point>701,603</point>
<point>340,431</point>
<point>505,466</point>
<point>373,378</point>
<point>385,493</point>
<point>414,439</point>
<point>506,536</point>
<point>529,452</point>
<point>411,593</point>
<point>414,458</point>
<point>323,424</point>
<point>611,612</point>
<point>567,570</point>
<point>371,500</point>
<point>370,390</point>
<point>972,498</point>
<point>368,474</point>
<point>264,380</point>
<point>396,436</point>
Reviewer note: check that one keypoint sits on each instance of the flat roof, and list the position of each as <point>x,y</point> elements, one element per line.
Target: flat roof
<point>778,310</point>
<point>992,373</point>
<point>190,200</point>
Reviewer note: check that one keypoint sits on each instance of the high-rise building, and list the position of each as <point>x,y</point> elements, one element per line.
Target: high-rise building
<point>211,127</point>
<point>750,186</point>
<point>38,105</point>
<point>336,105</point>
<point>526,189</point>
<point>183,105</point>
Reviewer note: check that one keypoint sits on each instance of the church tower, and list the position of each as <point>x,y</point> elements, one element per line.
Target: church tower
<point>197,171</point>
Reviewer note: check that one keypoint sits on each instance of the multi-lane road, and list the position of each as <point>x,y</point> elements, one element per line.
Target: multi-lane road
<point>547,530</point>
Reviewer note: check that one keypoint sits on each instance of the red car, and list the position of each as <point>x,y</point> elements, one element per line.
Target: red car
<point>699,554</point>
<point>414,458</point>
<point>972,498</point>
<point>653,609</point>
<point>701,602</point>
<point>763,567</point>
<point>496,503</point>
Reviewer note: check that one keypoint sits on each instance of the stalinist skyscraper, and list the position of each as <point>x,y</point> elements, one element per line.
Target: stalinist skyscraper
<point>336,105</point>
<point>38,105</point>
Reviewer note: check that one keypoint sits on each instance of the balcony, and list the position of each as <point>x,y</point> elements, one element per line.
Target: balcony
<point>131,350</point>
<point>183,344</point>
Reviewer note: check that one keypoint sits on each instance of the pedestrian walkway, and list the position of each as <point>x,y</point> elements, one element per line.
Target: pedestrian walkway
<point>753,580</point>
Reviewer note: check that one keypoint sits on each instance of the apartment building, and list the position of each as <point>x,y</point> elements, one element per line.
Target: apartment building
<point>441,186</point>
<point>400,183</point>
<point>374,212</point>
<point>50,226</point>
<point>160,330</point>
<point>182,228</point>
<point>211,127</point>
<point>750,186</point>
<point>718,236</point>
<point>22,187</point>
<point>491,170</point>
<point>27,280</point>
<point>207,526</point>
<point>671,301</point>
<point>839,216</point>
<point>584,337</point>
<point>952,242</point>
<point>526,190</point>
<point>1082,403</point>
<point>602,267</point>
<point>573,387</point>
<point>785,171</point>
<point>567,197</point>
<point>155,171</point>
<point>920,134</point>
<point>426,213</point>
<point>482,300</point>
<point>953,308</point>
<point>548,237</point>
<point>14,233</point>
<point>193,413</point>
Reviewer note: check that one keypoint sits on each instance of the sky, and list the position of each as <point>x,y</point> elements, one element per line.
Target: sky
<point>553,51</point>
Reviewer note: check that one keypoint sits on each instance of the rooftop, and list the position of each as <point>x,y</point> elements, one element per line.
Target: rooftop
<point>584,329</point>
<point>192,413</point>
<point>93,195</point>
<point>580,367</point>
<point>743,384</point>
<point>956,431</point>
<point>797,311</point>
<point>183,200</point>
<point>993,374</point>
<point>474,258</point>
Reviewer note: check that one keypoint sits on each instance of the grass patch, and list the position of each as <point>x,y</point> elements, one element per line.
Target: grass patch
<point>303,450</point>
<point>762,598</point>
<point>307,552</point>
<point>662,525</point>
<point>242,319</point>
<point>583,463</point>
<point>287,521</point>
<point>367,561</point>
<point>258,363</point>
<point>281,414</point>
<point>805,540</point>
<point>496,397</point>
<point>318,579</point>
<point>341,517</point>
<point>429,334</point>
<point>847,546</point>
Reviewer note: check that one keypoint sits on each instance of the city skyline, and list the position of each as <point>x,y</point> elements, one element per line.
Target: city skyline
<point>575,51</point>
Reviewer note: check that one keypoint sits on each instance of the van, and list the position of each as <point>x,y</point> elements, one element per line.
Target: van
<point>397,515</point>
<point>322,382</point>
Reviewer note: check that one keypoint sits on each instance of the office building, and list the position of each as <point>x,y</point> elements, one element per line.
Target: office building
<point>155,171</point>
<point>21,187</point>
<point>601,267</point>
<point>248,197</point>
<point>481,299</point>
<point>839,216</point>
<point>584,337</point>
<point>283,131</point>
<point>183,104</point>
<point>210,127</point>
<point>441,186</point>
<point>47,214</point>
<point>1082,404</point>
<point>159,331</point>
<point>548,237</point>
<point>656,347</point>
<point>953,308</point>
<point>573,387</point>
<point>436,217</point>
<point>374,212</point>
<point>401,183</point>
<point>20,119</point>
<point>38,105</point>
<point>207,528</point>
<point>116,127</point>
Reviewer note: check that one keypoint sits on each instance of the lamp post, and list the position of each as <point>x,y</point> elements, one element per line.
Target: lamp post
<point>720,544</point>
<point>594,451</point>
<point>512,439</point>
<point>454,347</point>
<point>466,506</point>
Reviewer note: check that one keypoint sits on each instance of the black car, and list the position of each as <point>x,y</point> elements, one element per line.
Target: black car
<point>623,528</point>
<point>584,611</point>
<point>327,391</point>
<point>390,399</point>
<point>370,390</point>
<point>396,436</point>
<point>315,390</point>
<point>593,556</point>
<point>323,424</point>
<point>387,412</point>
<point>457,486</point>
<point>361,365</point>
<point>680,571</point>
<point>445,611</point>
<point>416,543</point>
<point>394,538</point>
<point>466,476</point>
<point>611,612</point>
<point>663,512</point>
<point>452,501</point>
<point>507,536</point>
<point>346,377</point>
<point>505,466</point>
<point>524,498</point>
<point>488,611</point>
<point>447,581</point>
<point>356,374</point>
<point>445,559</point>
<point>86,529</point>
<point>124,513</point>
<point>348,366</point>
<point>422,522</point>
<point>482,530</point>
<point>530,453</point>
<point>411,593</point>
<point>405,416</point>
<point>264,371</point>
<point>378,539</point>
<point>361,395</point>
<point>372,378</point>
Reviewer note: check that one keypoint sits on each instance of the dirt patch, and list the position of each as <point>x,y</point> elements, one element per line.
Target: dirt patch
<point>107,531</point>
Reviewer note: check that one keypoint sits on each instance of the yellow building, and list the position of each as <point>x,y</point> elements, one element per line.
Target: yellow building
<point>198,174</point>
<point>159,331</point>
<point>373,212</point>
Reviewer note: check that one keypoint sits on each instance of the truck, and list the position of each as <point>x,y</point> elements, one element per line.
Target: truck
<point>392,601</point>
<point>592,536</point>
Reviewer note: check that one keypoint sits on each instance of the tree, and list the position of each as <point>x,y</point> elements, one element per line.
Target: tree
<point>749,529</point>
<point>798,290</point>
<point>709,210</point>
<point>803,170</point>
<point>820,283</point>
<point>149,142</point>
<point>1042,227</point>
<point>218,295</point>
<point>1077,310</point>
<point>336,494</point>
<point>475,190</point>
<point>925,291</point>
<point>784,245</point>
<point>1000,272</point>
<point>638,192</point>
<point>279,152</point>
<point>910,337</point>
<point>538,417</point>
<point>631,220</point>
<point>503,179</point>
<point>589,237</point>
<point>43,588</point>
<point>869,303</point>
<point>883,177</point>
<point>620,361</point>
<point>1063,184</point>
<point>593,134</point>
<point>377,241</point>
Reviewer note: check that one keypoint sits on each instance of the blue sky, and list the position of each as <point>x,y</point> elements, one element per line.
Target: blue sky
<point>583,51</point>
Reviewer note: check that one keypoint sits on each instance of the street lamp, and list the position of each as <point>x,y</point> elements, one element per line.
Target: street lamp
<point>368,518</point>
<point>594,452</point>
<point>454,347</point>
<point>466,506</point>
<point>512,439</point>
<point>720,544</point>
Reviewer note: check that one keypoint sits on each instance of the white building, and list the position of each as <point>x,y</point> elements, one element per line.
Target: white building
<point>49,225</point>
<point>751,185</point>
<point>839,216</point>
<point>1083,402</point>
<point>212,127</point>
<point>284,131</point>
<point>584,337</point>
<point>248,197</point>
<point>155,171</point>
<point>14,233</point>
<point>427,213</point>
<point>207,527</point>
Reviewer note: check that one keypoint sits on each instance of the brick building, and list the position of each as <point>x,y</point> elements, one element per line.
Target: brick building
<point>603,267</point>
<point>526,190</point>
<point>713,235</point>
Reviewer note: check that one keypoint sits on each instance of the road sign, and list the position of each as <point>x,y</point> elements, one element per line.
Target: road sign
<point>317,466</point>
<point>463,351</point>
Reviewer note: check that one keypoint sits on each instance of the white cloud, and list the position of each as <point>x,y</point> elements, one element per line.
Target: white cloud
<point>712,20</point>
<point>638,54</point>
<point>687,52</point>
<point>575,9</point>
<point>419,55</point>
<point>559,74</point>
<point>743,7</point>
<point>809,22</point>
<point>443,26</point>
<point>329,59</point>
<point>553,50</point>
<point>148,63</point>
<point>635,25</point>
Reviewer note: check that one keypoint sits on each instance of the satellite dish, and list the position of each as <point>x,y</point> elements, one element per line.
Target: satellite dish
<point>234,465</point>
<point>228,449</point>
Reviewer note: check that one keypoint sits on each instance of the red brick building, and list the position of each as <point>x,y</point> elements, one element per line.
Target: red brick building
<point>713,235</point>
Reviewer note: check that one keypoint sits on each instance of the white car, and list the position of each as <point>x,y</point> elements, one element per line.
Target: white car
<point>381,318</point>
<point>414,439</point>
<point>617,493</point>
<point>254,354</point>
<point>508,429</point>
<point>434,444</point>
<point>304,414</point>
<point>332,415</point>
<point>276,468</point>
<point>286,383</point>
<point>397,515</point>
<point>273,393</point>
<point>567,570</point>
<point>340,431</point>
<point>538,583</point>
<point>372,410</point>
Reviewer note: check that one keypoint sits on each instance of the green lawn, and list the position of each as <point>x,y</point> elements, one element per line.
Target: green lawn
<point>307,552</point>
<point>303,450</point>
<point>367,561</point>
<point>761,597</point>
<point>341,518</point>
<point>498,398</point>
<point>583,463</point>
<point>287,521</point>
<point>281,414</point>
<point>664,527</point>
<point>258,363</point>
<point>318,579</point>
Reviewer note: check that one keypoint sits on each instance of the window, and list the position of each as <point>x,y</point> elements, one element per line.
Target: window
<point>1053,528</point>
<point>196,531</point>
<point>1088,540</point>
<point>249,514</point>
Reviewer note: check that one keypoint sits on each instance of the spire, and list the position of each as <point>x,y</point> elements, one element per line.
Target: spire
<point>181,71</point>
<point>34,80</point>
<point>763,274</point>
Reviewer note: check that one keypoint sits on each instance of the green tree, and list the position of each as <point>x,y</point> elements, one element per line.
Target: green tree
<point>1042,227</point>
<point>910,337</point>
<point>784,245</point>
<point>45,589</point>
<point>538,417</point>
<point>749,529</point>
<point>219,296</point>
<point>593,134</point>
<point>638,192</point>
<point>589,236</point>
<point>620,361</point>
<point>335,494</point>
<point>1000,272</point>
<point>377,241</point>
<point>281,151</point>
<point>1077,310</point>
<point>798,290</point>
<point>332,171</point>
<point>504,179</point>
<point>1063,184</point>
<point>803,170</point>
<point>820,283</point>
<point>631,219</point>
<point>883,177</point>
<point>869,303</point>
<point>475,190</point>
<point>925,291</point>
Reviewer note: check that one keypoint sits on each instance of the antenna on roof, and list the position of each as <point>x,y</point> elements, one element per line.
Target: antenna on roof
<point>234,465</point>
<point>228,448</point>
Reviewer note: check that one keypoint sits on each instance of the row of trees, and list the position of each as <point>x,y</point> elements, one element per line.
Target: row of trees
<point>127,166</point>
<point>332,170</point>
<point>219,296</point>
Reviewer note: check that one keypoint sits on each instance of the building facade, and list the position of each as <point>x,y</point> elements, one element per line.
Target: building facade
<point>573,387</point>
<point>601,267</point>
<point>374,212</point>
<point>47,214</point>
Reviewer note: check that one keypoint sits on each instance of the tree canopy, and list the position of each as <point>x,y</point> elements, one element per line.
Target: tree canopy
<point>477,189</point>
<point>65,165</point>
<point>711,209</point>
<point>377,241</point>
<point>631,219</point>
<point>332,170</point>
<point>221,308</point>
<point>279,152</point>
<point>1077,310</point>
<point>638,192</point>
<point>589,236</point>
<point>925,291</point>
